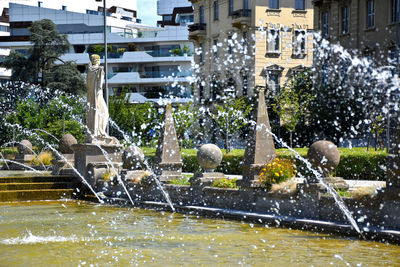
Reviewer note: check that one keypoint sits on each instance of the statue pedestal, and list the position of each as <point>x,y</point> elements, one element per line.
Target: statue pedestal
<point>88,156</point>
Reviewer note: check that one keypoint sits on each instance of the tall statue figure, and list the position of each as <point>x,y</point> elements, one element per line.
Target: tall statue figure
<point>96,110</point>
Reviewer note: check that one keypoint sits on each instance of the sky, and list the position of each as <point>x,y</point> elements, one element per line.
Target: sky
<point>147,12</point>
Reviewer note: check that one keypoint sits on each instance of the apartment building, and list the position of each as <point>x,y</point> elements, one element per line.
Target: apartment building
<point>152,62</point>
<point>366,27</point>
<point>175,12</point>
<point>241,45</point>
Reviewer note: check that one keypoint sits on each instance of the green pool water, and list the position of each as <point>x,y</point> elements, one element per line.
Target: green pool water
<point>72,233</point>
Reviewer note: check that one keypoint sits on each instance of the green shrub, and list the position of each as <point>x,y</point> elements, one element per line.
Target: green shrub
<point>355,164</point>
<point>183,181</point>
<point>225,183</point>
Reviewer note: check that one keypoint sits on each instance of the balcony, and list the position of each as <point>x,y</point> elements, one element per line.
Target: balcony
<point>197,31</point>
<point>241,18</point>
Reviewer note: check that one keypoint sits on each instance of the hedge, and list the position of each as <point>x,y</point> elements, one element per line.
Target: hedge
<point>355,164</point>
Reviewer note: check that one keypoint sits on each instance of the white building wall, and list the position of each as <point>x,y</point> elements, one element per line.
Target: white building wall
<point>72,5</point>
<point>165,7</point>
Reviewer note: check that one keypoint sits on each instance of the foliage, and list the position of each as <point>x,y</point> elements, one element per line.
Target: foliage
<point>181,52</point>
<point>182,181</point>
<point>98,49</point>
<point>72,127</point>
<point>67,78</point>
<point>377,127</point>
<point>146,116</point>
<point>231,116</point>
<point>292,103</point>
<point>185,117</point>
<point>38,65</point>
<point>350,92</point>
<point>355,163</point>
<point>225,183</point>
<point>45,157</point>
<point>30,115</point>
<point>278,171</point>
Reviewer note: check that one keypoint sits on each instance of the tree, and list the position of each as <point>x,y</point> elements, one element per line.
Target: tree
<point>293,101</point>
<point>39,62</point>
<point>185,117</point>
<point>145,118</point>
<point>65,77</point>
<point>59,111</point>
<point>231,117</point>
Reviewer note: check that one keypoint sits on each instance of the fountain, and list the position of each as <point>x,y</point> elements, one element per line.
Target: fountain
<point>111,234</point>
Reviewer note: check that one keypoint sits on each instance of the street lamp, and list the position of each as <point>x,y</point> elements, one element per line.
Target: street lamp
<point>229,92</point>
<point>105,54</point>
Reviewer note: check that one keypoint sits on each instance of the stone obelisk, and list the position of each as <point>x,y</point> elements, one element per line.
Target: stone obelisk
<point>168,164</point>
<point>260,149</point>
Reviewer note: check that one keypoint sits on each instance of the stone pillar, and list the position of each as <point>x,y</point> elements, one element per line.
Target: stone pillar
<point>393,165</point>
<point>260,149</point>
<point>168,163</point>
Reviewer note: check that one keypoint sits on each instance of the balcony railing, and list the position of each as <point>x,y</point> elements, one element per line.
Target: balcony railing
<point>241,13</point>
<point>197,27</point>
<point>165,74</point>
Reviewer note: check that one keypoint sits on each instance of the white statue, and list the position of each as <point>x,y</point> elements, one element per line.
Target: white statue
<point>96,110</point>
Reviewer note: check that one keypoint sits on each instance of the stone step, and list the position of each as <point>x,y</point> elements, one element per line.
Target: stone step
<point>36,179</point>
<point>45,194</point>
<point>34,186</point>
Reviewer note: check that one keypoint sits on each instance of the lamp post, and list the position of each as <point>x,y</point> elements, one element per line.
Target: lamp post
<point>105,54</point>
<point>228,94</point>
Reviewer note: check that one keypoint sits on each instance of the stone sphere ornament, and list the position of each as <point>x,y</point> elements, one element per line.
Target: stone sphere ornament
<point>324,155</point>
<point>65,144</point>
<point>209,156</point>
<point>132,157</point>
<point>25,147</point>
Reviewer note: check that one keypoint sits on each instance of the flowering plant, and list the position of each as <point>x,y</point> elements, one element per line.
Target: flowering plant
<point>278,171</point>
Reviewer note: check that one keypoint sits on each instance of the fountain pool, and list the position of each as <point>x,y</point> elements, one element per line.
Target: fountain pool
<point>71,233</point>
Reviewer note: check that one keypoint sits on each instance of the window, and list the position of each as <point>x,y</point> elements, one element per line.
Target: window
<point>273,41</point>
<point>245,4</point>
<point>395,10</point>
<point>215,47</point>
<point>201,14</point>
<point>370,14</point>
<point>273,82</point>
<point>216,10</point>
<point>274,4</point>
<point>300,5</point>
<point>230,7</point>
<point>201,91</point>
<point>244,85</point>
<point>325,24</point>
<point>345,19</point>
<point>299,42</point>
<point>167,17</point>
<point>201,53</point>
